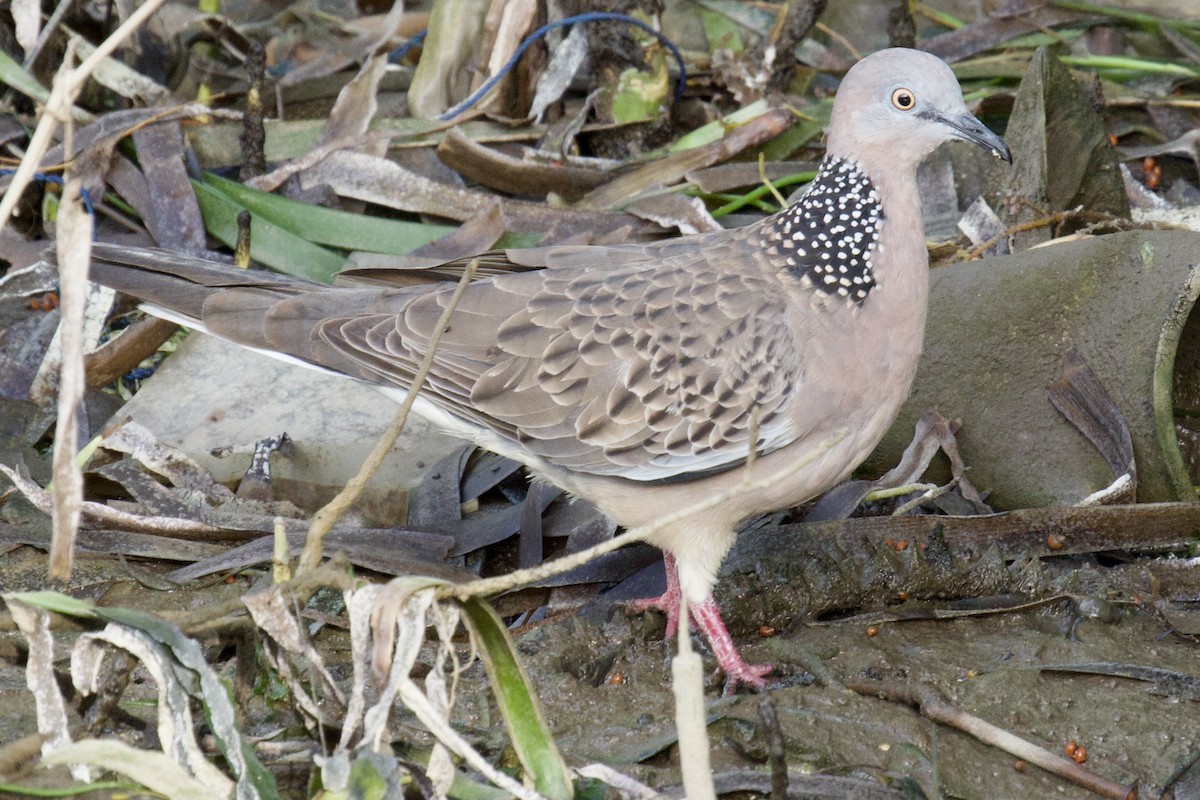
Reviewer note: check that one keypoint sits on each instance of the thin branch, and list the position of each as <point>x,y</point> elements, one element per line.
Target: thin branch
<point>1041,222</point>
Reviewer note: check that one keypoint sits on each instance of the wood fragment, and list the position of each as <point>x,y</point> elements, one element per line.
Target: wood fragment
<point>514,176</point>
<point>117,357</point>
<point>1144,527</point>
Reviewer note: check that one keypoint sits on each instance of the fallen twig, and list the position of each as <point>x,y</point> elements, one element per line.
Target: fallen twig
<point>1041,222</point>
<point>937,707</point>
<point>117,357</point>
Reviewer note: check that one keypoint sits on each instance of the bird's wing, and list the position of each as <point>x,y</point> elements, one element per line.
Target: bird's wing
<point>646,362</point>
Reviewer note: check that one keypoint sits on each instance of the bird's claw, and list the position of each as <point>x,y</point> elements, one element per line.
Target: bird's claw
<point>665,603</point>
<point>753,676</point>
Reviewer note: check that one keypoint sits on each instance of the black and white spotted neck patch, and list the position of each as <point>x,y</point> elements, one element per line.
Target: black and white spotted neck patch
<point>826,238</point>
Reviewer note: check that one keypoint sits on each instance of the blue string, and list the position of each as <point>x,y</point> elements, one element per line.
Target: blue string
<point>138,373</point>
<point>594,16</point>
<point>401,51</point>
<point>46,177</point>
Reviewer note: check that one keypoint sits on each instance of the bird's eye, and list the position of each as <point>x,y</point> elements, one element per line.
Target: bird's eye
<point>904,99</point>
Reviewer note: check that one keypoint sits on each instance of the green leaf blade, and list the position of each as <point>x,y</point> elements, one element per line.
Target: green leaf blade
<point>270,244</point>
<point>518,704</point>
<point>331,227</point>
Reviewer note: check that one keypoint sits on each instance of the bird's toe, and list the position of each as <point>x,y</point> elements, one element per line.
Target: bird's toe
<point>743,674</point>
<point>667,603</point>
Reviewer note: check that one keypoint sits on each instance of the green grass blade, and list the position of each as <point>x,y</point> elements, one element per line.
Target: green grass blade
<point>270,244</point>
<point>56,602</point>
<point>1136,66</point>
<point>1138,17</point>
<point>518,705</point>
<point>12,75</point>
<point>328,226</point>
<point>126,789</point>
<point>753,196</point>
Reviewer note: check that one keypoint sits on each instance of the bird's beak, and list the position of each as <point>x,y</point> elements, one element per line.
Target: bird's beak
<point>970,129</point>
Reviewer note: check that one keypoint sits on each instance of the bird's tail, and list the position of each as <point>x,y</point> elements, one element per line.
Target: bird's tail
<point>264,311</point>
<point>179,284</point>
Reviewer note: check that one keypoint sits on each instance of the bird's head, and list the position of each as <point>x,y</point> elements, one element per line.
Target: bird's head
<point>897,105</point>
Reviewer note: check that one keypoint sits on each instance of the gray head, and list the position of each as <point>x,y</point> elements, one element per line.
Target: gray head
<point>897,105</point>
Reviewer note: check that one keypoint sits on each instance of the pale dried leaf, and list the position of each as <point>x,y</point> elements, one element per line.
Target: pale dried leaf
<point>27,22</point>
<point>125,81</point>
<point>687,214</point>
<point>360,602</point>
<point>443,77</point>
<point>568,58</point>
<point>155,771</point>
<point>34,623</point>
<point>136,440</point>
<point>348,51</point>
<point>506,25</point>
<point>176,729</point>
<point>355,108</point>
<point>399,621</point>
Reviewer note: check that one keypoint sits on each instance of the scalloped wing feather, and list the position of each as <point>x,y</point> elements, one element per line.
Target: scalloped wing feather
<point>647,364</point>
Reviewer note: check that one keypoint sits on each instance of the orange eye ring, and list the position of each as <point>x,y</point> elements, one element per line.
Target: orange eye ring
<point>904,99</point>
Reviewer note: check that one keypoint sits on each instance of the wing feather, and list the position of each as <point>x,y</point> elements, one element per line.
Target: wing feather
<point>645,365</point>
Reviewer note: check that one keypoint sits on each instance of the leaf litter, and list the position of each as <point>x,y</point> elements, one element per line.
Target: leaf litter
<point>639,163</point>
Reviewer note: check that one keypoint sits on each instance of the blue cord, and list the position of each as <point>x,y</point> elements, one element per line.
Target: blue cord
<point>401,51</point>
<point>45,177</point>
<point>594,16</point>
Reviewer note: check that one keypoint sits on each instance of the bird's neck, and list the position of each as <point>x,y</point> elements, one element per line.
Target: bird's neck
<point>895,314</point>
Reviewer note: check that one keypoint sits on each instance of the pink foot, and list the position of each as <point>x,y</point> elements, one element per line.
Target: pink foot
<point>667,602</point>
<point>708,618</point>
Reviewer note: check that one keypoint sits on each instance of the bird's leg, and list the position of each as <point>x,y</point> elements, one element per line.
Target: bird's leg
<point>708,618</point>
<point>668,601</point>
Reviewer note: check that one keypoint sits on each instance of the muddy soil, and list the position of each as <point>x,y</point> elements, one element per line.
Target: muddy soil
<point>604,681</point>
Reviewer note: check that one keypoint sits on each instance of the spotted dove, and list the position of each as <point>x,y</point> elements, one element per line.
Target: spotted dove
<point>634,375</point>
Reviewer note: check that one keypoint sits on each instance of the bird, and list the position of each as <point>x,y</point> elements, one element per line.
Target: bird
<point>641,376</point>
